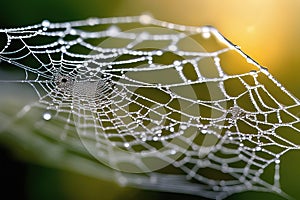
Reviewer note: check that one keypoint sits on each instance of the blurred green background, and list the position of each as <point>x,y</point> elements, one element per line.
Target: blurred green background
<point>267,30</point>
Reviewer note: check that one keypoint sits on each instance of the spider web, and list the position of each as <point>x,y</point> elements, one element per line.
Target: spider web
<point>162,106</point>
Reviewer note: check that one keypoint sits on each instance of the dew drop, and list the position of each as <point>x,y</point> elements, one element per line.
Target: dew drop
<point>61,41</point>
<point>206,35</point>
<point>159,53</point>
<point>172,48</point>
<point>205,31</point>
<point>45,23</point>
<point>73,32</point>
<point>171,129</point>
<point>63,49</point>
<point>92,21</point>
<point>203,131</point>
<point>265,71</point>
<point>173,152</point>
<point>253,73</point>
<point>179,68</point>
<point>153,179</point>
<point>47,116</point>
<point>258,148</point>
<point>183,127</point>
<point>113,31</point>
<point>217,60</point>
<point>122,181</point>
<point>176,63</point>
<point>145,19</point>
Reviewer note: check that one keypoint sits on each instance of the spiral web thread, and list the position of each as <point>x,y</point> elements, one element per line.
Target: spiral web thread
<point>87,89</point>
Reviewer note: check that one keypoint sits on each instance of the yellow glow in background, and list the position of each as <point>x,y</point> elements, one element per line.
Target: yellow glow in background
<point>267,30</point>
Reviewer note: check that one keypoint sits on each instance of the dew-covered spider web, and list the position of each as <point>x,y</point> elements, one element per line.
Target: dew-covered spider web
<point>156,105</point>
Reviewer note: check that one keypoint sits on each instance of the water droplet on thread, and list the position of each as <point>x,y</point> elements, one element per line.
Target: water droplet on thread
<point>172,47</point>
<point>173,151</point>
<point>206,35</point>
<point>171,129</point>
<point>258,148</point>
<point>145,19</point>
<point>45,23</point>
<point>47,116</point>
<point>183,127</point>
<point>122,181</point>
<point>113,31</point>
